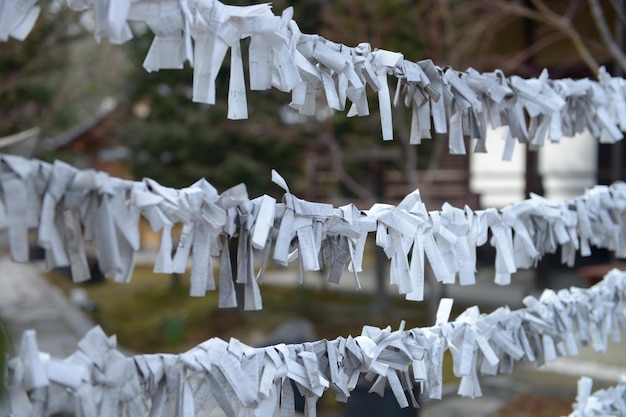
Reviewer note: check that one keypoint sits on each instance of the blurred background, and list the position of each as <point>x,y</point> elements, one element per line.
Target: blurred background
<point>64,96</point>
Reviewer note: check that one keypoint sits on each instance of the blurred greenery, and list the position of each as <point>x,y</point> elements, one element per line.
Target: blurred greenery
<point>56,77</point>
<point>176,141</point>
<point>180,141</point>
<point>168,320</point>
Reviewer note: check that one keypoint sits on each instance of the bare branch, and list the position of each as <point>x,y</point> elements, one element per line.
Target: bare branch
<point>476,39</point>
<point>564,24</point>
<point>545,41</point>
<point>337,166</point>
<point>571,9</point>
<point>618,11</point>
<point>605,33</point>
<point>517,10</point>
<point>545,15</point>
<point>449,33</point>
<point>409,155</point>
<point>546,11</point>
<point>434,160</point>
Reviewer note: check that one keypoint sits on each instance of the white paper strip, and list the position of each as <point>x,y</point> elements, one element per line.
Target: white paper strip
<point>234,376</point>
<point>281,56</point>
<point>86,205</point>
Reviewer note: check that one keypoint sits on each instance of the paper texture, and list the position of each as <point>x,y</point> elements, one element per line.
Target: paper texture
<point>236,377</point>
<point>74,206</point>
<point>462,104</point>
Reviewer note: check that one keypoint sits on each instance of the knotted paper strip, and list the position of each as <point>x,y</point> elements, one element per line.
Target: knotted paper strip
<point>605,402</point>
<point>241,380</point>
<point>461,104</point>
<point>72,207</point>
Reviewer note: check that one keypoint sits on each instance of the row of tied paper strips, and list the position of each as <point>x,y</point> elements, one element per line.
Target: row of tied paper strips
<point>461,104</point>
<point>605,402</point>
<point>69,207</point>
<point>243,381</point>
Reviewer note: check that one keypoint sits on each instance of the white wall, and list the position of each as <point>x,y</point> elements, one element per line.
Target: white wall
<point>567,167</point>
<point>498,182</point>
